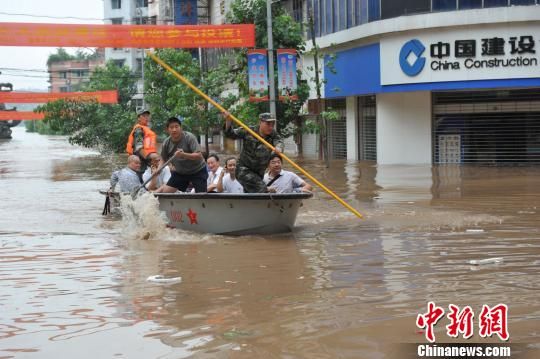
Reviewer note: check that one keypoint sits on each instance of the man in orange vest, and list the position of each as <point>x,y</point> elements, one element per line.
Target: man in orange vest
<point>142,140</point>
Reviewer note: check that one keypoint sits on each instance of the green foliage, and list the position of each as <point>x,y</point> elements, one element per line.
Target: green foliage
<point>60,55</point>
<point>90,124</point>
<point>287,34</point>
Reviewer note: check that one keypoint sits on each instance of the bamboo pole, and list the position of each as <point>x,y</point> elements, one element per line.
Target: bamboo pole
<point>251,132</point>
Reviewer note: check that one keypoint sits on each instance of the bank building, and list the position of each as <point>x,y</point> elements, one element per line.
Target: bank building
<point>430,81</point>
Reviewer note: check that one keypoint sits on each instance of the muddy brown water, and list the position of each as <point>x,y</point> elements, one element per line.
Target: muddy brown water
<point>74,284</point>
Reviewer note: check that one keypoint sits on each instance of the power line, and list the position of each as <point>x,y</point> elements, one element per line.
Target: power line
<point>135,19</point>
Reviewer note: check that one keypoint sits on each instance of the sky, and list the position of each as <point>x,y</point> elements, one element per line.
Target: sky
<point>26,67</point>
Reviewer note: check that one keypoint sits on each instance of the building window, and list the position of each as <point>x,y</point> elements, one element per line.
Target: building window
<point>444,5</point>
<point>117,21</point>
<point>470,4</point>
<point>139,65</point>
<point>142,20</point>
<point>495,3</point>
<point>62,74</point>
<point>141,3</point>
<point>522,2</point>
<point>392,8</point>
<point>116,4</point>
<point>119,63</point>
<point>63,89</point>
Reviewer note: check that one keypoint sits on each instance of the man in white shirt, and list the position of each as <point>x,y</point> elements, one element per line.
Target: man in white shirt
<point>282,181</point>
<point>158,180</point>
<point>227,181</point>
<point>214,170</point>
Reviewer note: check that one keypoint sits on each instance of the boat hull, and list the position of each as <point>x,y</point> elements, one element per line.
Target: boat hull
<point>232,214</point>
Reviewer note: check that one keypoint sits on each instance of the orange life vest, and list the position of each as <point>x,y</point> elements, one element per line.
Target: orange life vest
<point>149,141</point>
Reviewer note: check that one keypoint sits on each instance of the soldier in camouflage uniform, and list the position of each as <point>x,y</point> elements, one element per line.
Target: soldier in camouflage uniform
<point>254,155</point>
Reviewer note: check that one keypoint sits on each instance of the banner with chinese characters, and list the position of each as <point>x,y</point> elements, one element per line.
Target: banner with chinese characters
<point>20,115</point>
<point>126,36</point>
<point>286,61</point>
<point>487,52</point>
<point>185,12</point>
<point>258,75</point>
<point>42,97</point>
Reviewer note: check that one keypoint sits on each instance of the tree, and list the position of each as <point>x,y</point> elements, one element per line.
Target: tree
<point>90,124</point>
<point>167,96</point>
<point>60,55</point>
<point>286,34</point>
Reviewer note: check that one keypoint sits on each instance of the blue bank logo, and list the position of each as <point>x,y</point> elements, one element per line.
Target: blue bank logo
<point>412,50</point>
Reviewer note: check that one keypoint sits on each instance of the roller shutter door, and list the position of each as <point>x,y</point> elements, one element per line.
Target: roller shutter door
<point>488,127</point>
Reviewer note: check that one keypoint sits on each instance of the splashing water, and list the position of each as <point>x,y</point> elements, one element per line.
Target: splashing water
<point>142,219</point>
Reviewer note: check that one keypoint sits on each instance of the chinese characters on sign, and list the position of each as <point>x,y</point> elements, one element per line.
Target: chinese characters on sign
<point>469,50</point>
<point>491,321</point>
<point>125,36</point>
<point>258,75</point>
<point>286,61</point>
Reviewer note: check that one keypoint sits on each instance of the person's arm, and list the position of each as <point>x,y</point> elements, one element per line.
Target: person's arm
<point>219,186</point>
<point>189,156</point>
<point>234,133</point>
<point>138,141</point>
<point>301,185</point>
<point>114,180</point>
<point>193,147</point>
<point>150,173</point>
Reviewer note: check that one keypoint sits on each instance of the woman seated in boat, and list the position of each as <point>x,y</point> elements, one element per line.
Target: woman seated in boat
<point>280,181</point>
<point>227,182</point>
<point>158,179</point>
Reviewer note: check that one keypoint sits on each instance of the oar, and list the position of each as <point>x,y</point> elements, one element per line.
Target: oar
<point>136,190</point>
<point>250,131</point>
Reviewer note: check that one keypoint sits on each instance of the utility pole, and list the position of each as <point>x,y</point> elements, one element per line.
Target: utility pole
<point>270,58</point>
<point>139,12</point>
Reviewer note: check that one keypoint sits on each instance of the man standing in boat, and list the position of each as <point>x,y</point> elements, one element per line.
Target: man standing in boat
<point>189,165</point>
<point>254,155</point>
<point>142,140</point>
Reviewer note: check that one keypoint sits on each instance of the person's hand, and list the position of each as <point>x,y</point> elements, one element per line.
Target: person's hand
<point>272,190</point>
<point>179,153</point>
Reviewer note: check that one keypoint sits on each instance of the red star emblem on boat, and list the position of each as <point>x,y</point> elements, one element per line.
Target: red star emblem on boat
<point>192,216</point>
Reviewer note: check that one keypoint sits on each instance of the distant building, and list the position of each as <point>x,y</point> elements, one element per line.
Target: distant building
<point>135,12</point>
<point>68,76</point>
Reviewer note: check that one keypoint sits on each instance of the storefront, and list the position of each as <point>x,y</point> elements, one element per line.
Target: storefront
<point>454,94</point>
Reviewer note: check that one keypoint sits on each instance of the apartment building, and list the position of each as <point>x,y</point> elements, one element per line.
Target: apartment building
<point>68,76</point>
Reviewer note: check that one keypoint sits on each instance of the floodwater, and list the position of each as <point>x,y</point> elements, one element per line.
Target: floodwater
<point>74,284</point>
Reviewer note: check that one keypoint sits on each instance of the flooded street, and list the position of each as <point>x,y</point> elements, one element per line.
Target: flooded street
<point>74,283</point>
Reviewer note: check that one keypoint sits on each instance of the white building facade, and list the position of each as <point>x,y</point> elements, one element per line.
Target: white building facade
<point>427,81</point>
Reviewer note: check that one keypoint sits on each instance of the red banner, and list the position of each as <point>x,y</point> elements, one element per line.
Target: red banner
<point>20,115</point>
<point>122,36</point>
<point>42,97</point>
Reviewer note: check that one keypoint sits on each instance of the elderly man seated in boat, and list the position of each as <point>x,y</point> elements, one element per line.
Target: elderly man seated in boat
<point>227,182</point>
<point>127,179</point>
<point>280,181</point>
<point>156,179</point>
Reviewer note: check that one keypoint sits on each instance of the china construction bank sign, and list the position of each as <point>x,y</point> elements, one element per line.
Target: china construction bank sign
<point>508,52</point>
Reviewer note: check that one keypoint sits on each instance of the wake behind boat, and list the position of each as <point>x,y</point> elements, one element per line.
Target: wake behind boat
<point>232,214</point>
